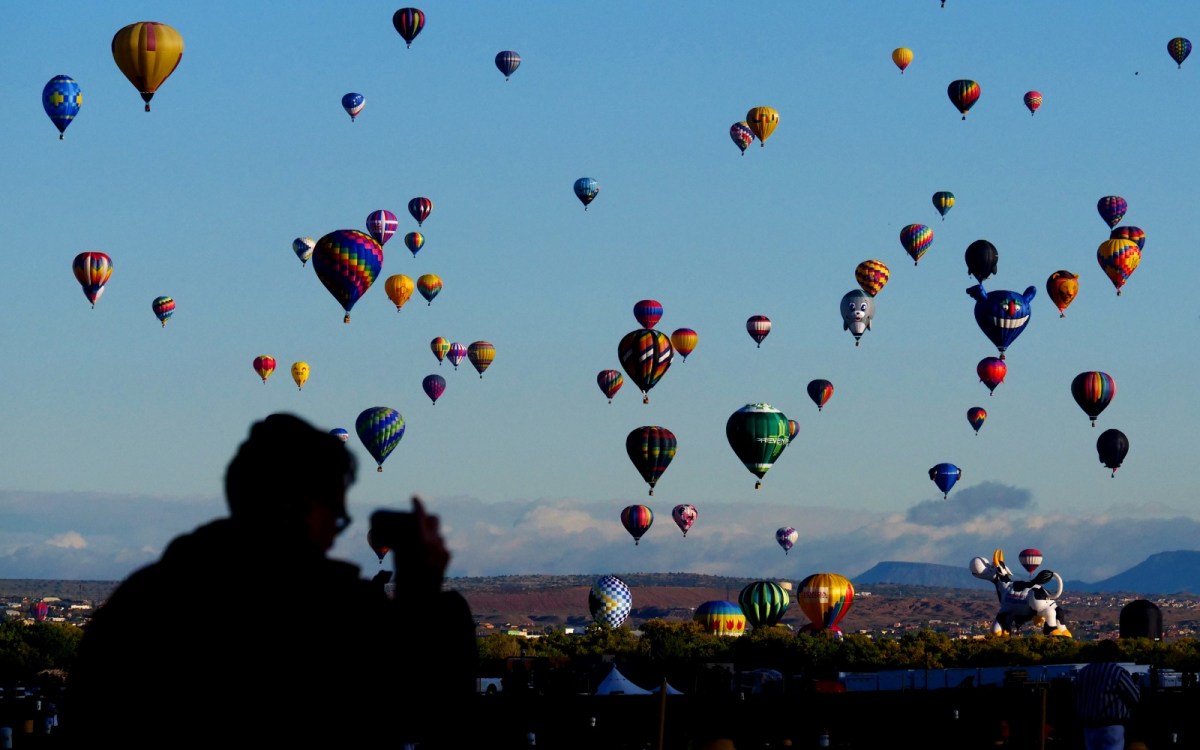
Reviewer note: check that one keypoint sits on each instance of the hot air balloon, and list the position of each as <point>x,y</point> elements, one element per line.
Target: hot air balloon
<point>1179,48</point>
<point>684,340</point>
<point>380,549</point>
<point>439,346</point>
<point>420,208</point>
<point>684,515</point>
<point>1030,559</point>
<point>991,371</point>
<point>858,310</point>
<point>1112,447</point>
<point>825,598</point>
<point>637,519</point>
<point>943,201</point>
<point>902,56</point>
<point>945,476</point>
<point>762,122</point>
<point>414,241</point>
<point>300,372</point>
<point>508,62</point>
<point>610,381</point>
<point>1033,100</point>
<point>586,190</point>
<point>820,391</point>
<point>793,429</point>
<point>981,257</point>
<point>92,271</point>
<point>408,22</point>
<point>758,433</point>
<point>353,103</point>
<point>399,289</point>
<point>742,136</point>
<point>786,537</point>
<point>647,312</point>
<point>40,610</point>
<point>763,603</point>
<point>481,354</point>
<point>380,429</point>
<point>963,94</point>
<point>147,52</point>
<point>645,355</point>
<point>1129,233</point>
<point>1093,391</point>
<point>871,276</point>
<point>347,262</point>
<point>651,449</point>
<point>340,433</point>
<point>610,601</point>
<point>916,239</point>
<point>429,285</point>
<point>1119,259</point>
<point>434,386</point>
<point>381,225</point>
<point>456,354</point>
<point>264,365</point>
<point>758,326</point>
<point>1112,209</point>
<point>976,415</point>
<point>1002,315</point>
<point>61,98</point>
<point>1062,286</point>
<point>721,617</point>
<point>303,248</point>
<point>164,308</point>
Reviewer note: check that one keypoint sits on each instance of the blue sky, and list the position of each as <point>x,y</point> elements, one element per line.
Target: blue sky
<point>118,430</point>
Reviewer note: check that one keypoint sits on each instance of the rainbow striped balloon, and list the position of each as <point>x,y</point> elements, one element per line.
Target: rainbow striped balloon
<point>347,262</point>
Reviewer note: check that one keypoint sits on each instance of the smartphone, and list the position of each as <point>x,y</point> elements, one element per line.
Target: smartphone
<point>394,529</point>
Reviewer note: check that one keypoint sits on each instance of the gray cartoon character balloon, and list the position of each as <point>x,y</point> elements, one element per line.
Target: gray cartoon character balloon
<point>857,310</point>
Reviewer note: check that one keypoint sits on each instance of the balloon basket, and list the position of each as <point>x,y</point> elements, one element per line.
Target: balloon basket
<point>379,469</point>
<point>346,319</point>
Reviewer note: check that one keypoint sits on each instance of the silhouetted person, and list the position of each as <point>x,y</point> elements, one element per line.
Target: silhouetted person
<point>1105,696</point>
<point>245,634</point>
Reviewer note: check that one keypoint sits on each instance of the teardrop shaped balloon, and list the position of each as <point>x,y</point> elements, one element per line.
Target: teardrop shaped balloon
<point>399,289</point>
<point>414,241</point>
<point>825,598</point>
<point>902,56</point>
<point>586,189</point>
<point>456,354</point>
<point>943,201</point>
<point>1033,100</point>
<point>610,381</point>
<point>439,346</point>
<point>871,275</point>
<point>481,354</point>
<point>1112,446</point>
<point>353,103</point>
<point>1118,259</point>
<point>380,549</point>
<point>684,340</point>
<point>758,326</point>
<point>164,308</point>
<point>758,433</point>
<point>820,391</point>
<point>1129,233</point>
<point>61,98</point>
<point>429,285</point>
<point>991,371</point>
<point>408,22</point>
<point>945,476</point>
<point>380,429</point>
<point>684,515</point>
<point>976,415</point>
<point>300,371</point>
<point>764,603</point>
<point>651,449</point>
<point>508,62</point>
<point>916,239</point>
<point>1112,209</point>
<point>303,248</point>
<point>610,601</point>
<point>742,136</point>
<point>963,94</point>
<point>264,365</point>
<point>1093,391</point>
<point>420,208</point>
<point>92,270</point>
<point>1062,286</point>
<point>981,257</point>
<point>637,519</point>
<point>147,52</point>
<point>1179,48</point>
<point>434,386</point>
<point>347,262</point>
<point>647,312</point>
<point>786,537</point>
<point>645,355</point>
<point>1030,559</point>
<point>762,122</point>
<point>793,429</point>
<point>381,225</point>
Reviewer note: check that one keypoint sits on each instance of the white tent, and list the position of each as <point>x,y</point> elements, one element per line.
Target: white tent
<point>618,684</point>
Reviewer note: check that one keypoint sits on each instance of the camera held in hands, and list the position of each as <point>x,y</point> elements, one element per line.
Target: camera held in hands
<point>394,529</point>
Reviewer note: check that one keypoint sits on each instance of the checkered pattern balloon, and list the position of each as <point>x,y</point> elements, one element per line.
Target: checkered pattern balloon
<point>610,601</point>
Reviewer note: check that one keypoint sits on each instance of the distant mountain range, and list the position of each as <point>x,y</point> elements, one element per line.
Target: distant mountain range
<point>1175,572</point>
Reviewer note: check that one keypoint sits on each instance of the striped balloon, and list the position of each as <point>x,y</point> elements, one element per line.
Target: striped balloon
<point>347,262</point>
<point>440,346</point>
<point>764,603</point>
<point>871,275</point>
<point>420,208</point>
<point>758,326</point>
<point>825,598</point>
<point>916,239</point>
<point>164,308</point>
<point>380,429</point>
<point>610,381</point>
<point>647,312</point>
<point>429,285</point>
<point>92,271</point>
<point>820,391</point>
<point>943,201</point>
<point>1093,391</point>
<point>645,354</point>
<point>456,353</point>
<point>481,354</point>
<point>408,22</point>
<point>637,520</point>
<point>963,94</point>
<point>721,618</point>
<point>684,340</point>
<point>651,449</point>
<point>610,601</point>
<point>414,241</point>
<point>507,62</point>
<point>381,225</point>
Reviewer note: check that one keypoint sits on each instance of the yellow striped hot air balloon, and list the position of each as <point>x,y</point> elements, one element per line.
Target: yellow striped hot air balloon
<point>147,52</point>
<point>762,121</point>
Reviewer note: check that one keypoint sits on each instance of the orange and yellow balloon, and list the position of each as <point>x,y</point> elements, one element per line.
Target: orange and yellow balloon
<point>902,56</point>
<point>1119,259</point>
<point>147,52</point>
<point>825,598</point>
<point>762,121</point>
<point>264,365</point>
<point>1062,286</point>
<point>872,275</point>
<point>399,288</point>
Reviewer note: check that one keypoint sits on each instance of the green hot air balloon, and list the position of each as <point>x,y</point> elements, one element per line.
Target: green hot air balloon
<point>764,603</point>
<point>758,433</point>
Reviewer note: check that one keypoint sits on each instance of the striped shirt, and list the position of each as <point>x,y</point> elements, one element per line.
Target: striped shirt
<point>1105,693</point>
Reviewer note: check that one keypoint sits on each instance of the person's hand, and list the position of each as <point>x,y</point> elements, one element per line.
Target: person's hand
<point>426,565</point>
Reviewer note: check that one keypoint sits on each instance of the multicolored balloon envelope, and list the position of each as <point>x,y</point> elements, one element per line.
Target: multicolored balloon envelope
<point>1129,233</point>
<point>1112,446</point>
<point>825,598</point>
<point>430,286</point>
<point>647,312</point>
<point>764,603</point>
<point>684,340</point>
<point>147,52</point>
<point>916,239</point>
<point>610,601</point>
<point>353,103</point>
<point>871,275</point>
<point>457,353</point>
<point>481,354</point>
<point>945,476</point>
<point>1112,209</point>
<point>976,415</point>
<point>684,515</point>
<point>742,136</point>
<point>347,262</point>
<point>507,62</point>
<point>786,537</point>
<point>637,519</point>
<point>645,355</point>
<point>1033,100</point>
<point>1093,391</point>
<point>586,190</point>
<point>381,225</point>
<point>963,95</point>
<point>758,433</point>
<point>793,429</point>
<point>61,98</point>
<point>1002,315</point>
<point>651,449</point>
<point>902,56</point>
<point>414,241</point>
<point>92,270</point>
<point>721,617</point>
<point>303,248</point>
<point>1062,286</point>
<point>762,122</point>
<point>164,308</point>
<point>439,346</point>
<point>380,429</point>
<point>943,201</point>
<point>420,208</point>
<point>758,326</point>
<point>820,391</point>
<point>264,365</point>
<point>1118,259</point>
<point>991,372</point>
<point>408,22</point>
<point>1030,559</point>
<point>1179,48</point>
<point>434,386</point>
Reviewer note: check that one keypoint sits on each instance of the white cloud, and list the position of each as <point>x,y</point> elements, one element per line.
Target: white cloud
<point>69,540</point>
